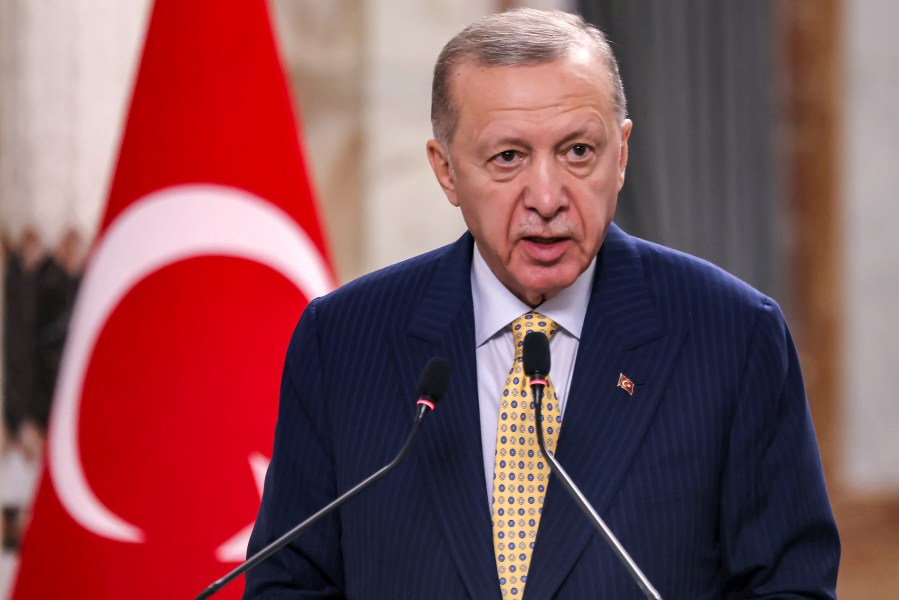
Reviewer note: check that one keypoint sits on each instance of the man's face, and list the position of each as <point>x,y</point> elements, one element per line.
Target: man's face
<point>535,164</point>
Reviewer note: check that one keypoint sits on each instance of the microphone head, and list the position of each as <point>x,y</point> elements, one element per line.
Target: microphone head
<point>535,354</point>
<point>434,379</point>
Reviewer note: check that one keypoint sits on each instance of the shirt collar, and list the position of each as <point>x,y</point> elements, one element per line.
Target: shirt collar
<point>495,307</point>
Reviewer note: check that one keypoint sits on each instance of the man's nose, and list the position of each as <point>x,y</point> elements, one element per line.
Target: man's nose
<point>545,193</point>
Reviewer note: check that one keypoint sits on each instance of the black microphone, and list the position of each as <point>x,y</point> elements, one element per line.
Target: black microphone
<point>431,387</point>
<point>536,359</point>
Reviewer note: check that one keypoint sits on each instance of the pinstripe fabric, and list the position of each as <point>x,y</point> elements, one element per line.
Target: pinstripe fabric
<point>709,473</point>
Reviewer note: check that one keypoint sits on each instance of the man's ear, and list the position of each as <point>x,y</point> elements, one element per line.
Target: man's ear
<point>626,126</point>
<point>439,157</point>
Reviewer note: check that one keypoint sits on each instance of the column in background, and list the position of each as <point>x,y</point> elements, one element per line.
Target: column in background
<point>871,233</point>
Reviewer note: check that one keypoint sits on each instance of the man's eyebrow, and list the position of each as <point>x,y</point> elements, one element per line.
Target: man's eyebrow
<point>507,141</point>
<point>594,132</point>
<point>597,134</point>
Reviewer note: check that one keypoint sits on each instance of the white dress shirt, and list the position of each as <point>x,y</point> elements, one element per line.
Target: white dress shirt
<point>495,307</point>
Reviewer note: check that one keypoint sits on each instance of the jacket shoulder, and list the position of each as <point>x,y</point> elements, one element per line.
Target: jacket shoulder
<point>398,285</point>
<point>678,274</point>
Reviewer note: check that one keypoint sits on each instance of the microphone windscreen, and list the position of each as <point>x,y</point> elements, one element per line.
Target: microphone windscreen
<point>434,379</point>
<point>535,354</point>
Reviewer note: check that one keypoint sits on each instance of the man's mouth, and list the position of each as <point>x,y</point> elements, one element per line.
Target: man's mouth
<point>545,250</point>
<point>545,240</point>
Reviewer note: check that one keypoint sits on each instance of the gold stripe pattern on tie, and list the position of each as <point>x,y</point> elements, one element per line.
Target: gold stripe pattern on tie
<point>520,473</point>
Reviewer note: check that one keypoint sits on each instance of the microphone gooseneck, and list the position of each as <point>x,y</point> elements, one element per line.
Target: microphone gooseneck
<point>431,387</point>
<point>536,359</point>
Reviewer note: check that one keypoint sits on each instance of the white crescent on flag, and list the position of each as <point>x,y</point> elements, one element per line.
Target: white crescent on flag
<point>164,227</point>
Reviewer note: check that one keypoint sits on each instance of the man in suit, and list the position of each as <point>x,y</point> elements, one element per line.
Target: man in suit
<point>682,410</point>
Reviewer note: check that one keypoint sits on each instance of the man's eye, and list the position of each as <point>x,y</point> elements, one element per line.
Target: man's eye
<point>507,156</point>
<point>580,150</point>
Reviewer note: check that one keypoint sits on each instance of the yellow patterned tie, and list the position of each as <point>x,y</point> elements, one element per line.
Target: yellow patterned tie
<point>520,474</point>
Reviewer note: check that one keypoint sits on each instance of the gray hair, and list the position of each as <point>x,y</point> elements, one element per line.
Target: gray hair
<point>518,37</point>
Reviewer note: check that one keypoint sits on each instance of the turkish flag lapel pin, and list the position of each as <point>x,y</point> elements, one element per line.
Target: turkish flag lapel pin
<point>626,384</point>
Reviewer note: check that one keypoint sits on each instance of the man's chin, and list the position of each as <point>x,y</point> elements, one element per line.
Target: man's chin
<point>535,292</point>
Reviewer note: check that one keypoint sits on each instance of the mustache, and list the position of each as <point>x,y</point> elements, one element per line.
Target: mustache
<point>534,226</point>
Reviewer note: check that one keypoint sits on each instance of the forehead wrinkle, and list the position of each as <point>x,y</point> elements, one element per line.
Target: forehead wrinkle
<point>517,101</point>
<point>519,131</point>
<point>525,100</point>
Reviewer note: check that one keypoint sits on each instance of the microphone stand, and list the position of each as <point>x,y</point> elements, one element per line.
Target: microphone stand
<point>282,541</point>
<point>625,558</point>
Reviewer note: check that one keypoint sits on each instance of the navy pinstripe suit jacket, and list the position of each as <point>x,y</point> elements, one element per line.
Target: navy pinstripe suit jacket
<point>709,474</point>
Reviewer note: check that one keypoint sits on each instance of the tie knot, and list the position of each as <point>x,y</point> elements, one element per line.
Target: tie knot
<point>532,321</point>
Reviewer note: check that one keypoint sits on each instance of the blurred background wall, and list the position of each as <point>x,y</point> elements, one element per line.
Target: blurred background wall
<point>765,141</point>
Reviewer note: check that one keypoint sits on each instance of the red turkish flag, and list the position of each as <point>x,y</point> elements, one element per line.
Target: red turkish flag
<point>208,252</point>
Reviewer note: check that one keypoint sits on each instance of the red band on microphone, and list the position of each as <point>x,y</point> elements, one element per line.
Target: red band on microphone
<point>538,382</point>
<point>426,402</point>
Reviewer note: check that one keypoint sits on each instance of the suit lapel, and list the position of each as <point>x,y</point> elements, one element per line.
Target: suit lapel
<point>604,425</point>
<point>450,451</point>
